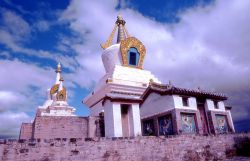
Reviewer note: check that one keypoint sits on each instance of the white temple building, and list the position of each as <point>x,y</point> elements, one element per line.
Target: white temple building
<point>134,102</point>
<point>118,92</point>
<point>56,103</point>
<point>129,101</point>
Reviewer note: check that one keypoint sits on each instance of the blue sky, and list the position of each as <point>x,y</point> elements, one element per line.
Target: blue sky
<point>193,42</point>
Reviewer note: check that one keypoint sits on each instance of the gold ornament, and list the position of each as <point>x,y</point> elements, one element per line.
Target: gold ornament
<point>61,95</point>
<point>129,43</point>
<point>58,69</point>
<point>54,89</point>
<point>110,39</point>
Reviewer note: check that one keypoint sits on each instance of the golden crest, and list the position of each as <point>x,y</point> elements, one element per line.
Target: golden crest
<point>127,44</point>
<point>54,89</point>
<point>61,95</point>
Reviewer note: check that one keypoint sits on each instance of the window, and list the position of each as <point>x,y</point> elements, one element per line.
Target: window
<point>222,126</point>
<point>148,127</point>
<point>216,105</point>
<point>133,57</point>
<point>165,125</point>
<point>188,123</point>
<point>185,101</point>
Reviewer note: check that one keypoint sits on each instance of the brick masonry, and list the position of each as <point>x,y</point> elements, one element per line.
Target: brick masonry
<point>50,127</point>
<point>178,148</point>
<point>26,131</point>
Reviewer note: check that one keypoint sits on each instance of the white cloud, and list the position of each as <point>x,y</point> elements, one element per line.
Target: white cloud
<point>42,25</point>
<point>207,48</point>
<point>10,123</point>
<point>15,25</point>
<point>19,75</point>
<point>24,85</point>
<point>10,100</point>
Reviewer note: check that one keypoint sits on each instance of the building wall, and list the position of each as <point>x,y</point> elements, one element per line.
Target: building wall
<point>60,127</point>
<point>198,123</point>
<point>213,121</point>
<point>210,105</point>
<point>132,76</point>
<point>26,131</point>
<point>156,104</point>
<point>191,103</point>
<point>212,112</point>
<point>178,148</point>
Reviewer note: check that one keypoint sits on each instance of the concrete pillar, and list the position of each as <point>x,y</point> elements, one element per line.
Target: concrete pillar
<point>135,120</point>
<point>112,119</point>
<point>230,120</point>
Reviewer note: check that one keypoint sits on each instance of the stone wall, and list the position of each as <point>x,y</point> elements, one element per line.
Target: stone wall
<point>26,131</point>
<point>182,147</point>
<point>60,127</point>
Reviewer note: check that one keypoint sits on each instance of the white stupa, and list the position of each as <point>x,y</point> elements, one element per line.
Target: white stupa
<point>56,103</point>
<point>118,92</point>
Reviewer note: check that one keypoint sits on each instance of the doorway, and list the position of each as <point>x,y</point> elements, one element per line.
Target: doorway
<point>125,120</point>
<point>203,116</point>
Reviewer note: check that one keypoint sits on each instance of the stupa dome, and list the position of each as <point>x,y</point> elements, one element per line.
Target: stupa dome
<point>111,57</point>
<point>128,51</point>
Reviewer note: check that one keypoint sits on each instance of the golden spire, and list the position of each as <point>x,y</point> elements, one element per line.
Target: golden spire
<point>122,32</point>
<point>58,70</point>
<point>120,23</point>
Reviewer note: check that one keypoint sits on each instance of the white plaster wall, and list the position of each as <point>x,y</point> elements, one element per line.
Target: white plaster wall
<point>177,101</point>
<point>112,61</point>
<point>111,57</point>
<point>132,76</point>
<point>135,120</point>
<point>210,105</point>
<point>192,104</point>
<point>55,108</point>
<point>57,113</point>
<point>58,76</point>
<point>155,104</point>
<point>221,105</point>
<point>112,119</point>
